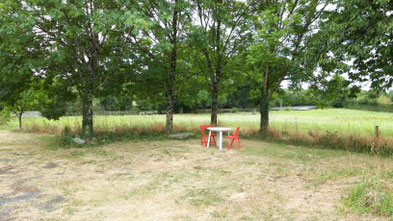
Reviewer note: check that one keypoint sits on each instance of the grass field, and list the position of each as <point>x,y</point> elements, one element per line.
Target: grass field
<point>340,121</point>
<point>335,128</point>
<point>180,180</point>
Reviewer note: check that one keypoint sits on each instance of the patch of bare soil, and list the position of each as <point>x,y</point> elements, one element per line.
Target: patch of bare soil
<point>176,180</point>
<point>20,197</point>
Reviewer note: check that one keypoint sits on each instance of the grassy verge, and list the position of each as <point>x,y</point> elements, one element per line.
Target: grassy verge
<point>334,128</point>
<point>66,141</point>
<point>373,145</point>
<point>357,143</point>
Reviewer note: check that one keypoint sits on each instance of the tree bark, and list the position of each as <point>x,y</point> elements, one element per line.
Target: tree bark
<point>215,91</point>
<point>169,113</point>
<point>88,87</point>
<point>19,113</point>
<point>172,74</point>
<point>214,111</point>
<point>264,110</point>
<point>216,76</point>
<point>20,120</point>
<point>264,103</point>
<point>87,110</point>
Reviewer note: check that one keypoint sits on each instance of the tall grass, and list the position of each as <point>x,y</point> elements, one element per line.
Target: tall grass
<point>340,128</point>
<point>371,195</point>
<point>339,121</point>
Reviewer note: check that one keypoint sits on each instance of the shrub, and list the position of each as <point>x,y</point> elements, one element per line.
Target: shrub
<point>4,116</point>
<point>234,110</point>
<point>287,109</point>
<point>383,100</point>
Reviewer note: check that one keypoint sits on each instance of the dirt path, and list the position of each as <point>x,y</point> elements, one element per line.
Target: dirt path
<point>176,180</point>
<point>20,169</point>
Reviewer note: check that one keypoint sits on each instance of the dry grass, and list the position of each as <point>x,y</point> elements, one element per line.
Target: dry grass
<point>340,121</point>
<point>179,180</point>
<point>352,142</point>
<point>360,143</point>
<point>337,128</point>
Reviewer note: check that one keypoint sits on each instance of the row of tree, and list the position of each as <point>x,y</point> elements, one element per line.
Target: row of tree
<point>55,51</point>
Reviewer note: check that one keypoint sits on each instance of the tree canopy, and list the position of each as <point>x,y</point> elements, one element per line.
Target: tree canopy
<point>188,53</point>
<point>357,39</point>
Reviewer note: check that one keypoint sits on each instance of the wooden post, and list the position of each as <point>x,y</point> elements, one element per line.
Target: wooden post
<point>376,131</point>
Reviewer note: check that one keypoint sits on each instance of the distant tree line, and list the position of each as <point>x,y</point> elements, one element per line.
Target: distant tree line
<point>372,100</point>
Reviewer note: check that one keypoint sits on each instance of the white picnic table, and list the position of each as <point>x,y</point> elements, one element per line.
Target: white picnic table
<point>220,130</point>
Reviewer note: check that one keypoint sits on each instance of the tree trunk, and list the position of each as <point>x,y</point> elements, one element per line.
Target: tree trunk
<point>19,113</point>
<point>214,104</point>
<point>264,103</point>
<point>213,120</point>
<point>172,74</point>
<point>20,120</point>
<point>169,112</point>
<point>90,113</point>
<point>87,110</point>
<point>216,76</point>
<point>264,110</point>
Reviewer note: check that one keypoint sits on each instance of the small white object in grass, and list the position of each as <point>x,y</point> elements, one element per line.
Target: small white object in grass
<point>78,140</point>
<point>238,196</point>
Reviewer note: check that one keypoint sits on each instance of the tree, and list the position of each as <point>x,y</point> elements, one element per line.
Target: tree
<point>51,103</point>
<point>18,58</point>
<point>157,30</point>
<point>25,101</point>
<point>360,33</point>
<point>281,51</point>
<point>83,46</point>
<point>220,31</point>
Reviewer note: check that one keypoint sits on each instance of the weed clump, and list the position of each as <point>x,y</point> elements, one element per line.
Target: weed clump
<point>370,196</point>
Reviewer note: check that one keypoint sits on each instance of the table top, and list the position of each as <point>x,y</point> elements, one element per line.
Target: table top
<point>219,128</point>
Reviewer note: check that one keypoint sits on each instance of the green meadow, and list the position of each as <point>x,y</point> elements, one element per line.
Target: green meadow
<point>338,121</point>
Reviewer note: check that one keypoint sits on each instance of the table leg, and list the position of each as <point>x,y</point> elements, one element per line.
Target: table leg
<point>208,141</point>
<point>220,140</point>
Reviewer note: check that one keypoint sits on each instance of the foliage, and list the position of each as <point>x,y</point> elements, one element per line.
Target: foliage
<point>288,97</point>
<point>383,100</point>
<point>204,98</point>
<point>81,46</point>
<point>178,56</point>
<point>4,116</point>
<point>360,33</point>
<point>329,92</point>
<point>21,102</point>
<point>158,31</point>
<point>281,50</point>
<point>220,32</point>
<point>116,103</point>
<point>18,59</point>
